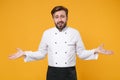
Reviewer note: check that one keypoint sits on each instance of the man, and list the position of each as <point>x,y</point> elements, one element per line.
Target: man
<point>62,43</point>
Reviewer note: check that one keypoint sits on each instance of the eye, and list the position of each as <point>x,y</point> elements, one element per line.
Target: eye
<point>62,16</point>
<point>56,17</point>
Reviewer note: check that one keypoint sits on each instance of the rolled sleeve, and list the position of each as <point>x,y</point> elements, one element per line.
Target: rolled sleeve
<point>82,52</point>
<point>40,53</point>
<point>31,56</point>
<point>89,55</point>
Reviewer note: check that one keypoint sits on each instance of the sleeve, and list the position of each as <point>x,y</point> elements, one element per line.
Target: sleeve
<point>82,52</point>
<point>37,55</point>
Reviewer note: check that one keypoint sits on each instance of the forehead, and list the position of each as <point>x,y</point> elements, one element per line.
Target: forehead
<point>61,12</point>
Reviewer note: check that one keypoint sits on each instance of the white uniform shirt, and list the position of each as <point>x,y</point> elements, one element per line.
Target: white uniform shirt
<point>61,47</point>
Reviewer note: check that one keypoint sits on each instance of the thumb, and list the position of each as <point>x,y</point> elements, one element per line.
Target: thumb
<point>101,46</point>
<point>18,49</point>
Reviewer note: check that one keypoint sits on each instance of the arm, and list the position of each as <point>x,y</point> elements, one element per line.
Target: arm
<point>31,56</point>
<point>89,54</point>
<point>28,55</point>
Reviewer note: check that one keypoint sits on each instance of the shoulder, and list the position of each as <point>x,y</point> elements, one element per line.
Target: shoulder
<point>48,31</point>
<point>73,30</point>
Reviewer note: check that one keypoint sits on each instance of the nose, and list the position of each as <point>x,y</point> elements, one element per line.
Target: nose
<point>59,19</point>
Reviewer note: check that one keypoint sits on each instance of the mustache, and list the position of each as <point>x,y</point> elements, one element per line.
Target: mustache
<point>60,22</point>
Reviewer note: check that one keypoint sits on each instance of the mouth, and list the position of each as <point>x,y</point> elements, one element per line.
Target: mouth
<point>60,24</point>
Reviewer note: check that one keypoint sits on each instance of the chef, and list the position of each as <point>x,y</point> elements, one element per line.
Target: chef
<point>61,43</point>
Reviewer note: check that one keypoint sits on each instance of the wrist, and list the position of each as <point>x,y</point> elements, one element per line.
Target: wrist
<point>96,51</point>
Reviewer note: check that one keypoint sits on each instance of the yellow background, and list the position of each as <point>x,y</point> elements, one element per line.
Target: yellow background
<point>22,23</point>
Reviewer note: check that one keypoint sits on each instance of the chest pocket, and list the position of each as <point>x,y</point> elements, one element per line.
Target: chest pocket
<point>71,41</point>
<point>71,45</point>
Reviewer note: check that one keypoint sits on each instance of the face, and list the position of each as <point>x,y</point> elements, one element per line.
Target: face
<point>60,19</point>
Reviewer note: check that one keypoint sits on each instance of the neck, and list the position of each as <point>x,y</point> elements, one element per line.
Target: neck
<point>60,29</point>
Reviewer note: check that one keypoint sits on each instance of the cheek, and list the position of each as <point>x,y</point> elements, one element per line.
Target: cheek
<point>64,20</point>
<point>55,21</point>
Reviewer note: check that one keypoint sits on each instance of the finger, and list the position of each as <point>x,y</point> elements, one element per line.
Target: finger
<point>18,49</point>
<point>110,52</point>
<point>100,47</point>
<point>11,57</point>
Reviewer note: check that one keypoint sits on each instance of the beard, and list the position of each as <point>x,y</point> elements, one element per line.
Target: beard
<point>60,25</point>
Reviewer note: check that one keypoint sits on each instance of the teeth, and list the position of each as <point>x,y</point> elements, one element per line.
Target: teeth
<point>59,23</point>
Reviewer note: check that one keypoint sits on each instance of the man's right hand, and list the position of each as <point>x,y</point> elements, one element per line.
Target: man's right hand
<point>19,54</point>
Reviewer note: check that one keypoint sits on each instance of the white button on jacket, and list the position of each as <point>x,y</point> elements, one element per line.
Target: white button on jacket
<point>61,47</point>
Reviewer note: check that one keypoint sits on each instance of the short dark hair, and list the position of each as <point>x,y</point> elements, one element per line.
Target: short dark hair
<point>58,8</point>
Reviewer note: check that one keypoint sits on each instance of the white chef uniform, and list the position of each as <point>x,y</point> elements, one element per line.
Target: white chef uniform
<point>62,47</point>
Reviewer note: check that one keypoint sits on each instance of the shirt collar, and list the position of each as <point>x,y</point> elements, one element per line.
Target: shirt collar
<point>63,30</point>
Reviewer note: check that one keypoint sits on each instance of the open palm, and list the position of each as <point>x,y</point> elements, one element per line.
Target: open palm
<point>101,50</point>
<point>19,53</point>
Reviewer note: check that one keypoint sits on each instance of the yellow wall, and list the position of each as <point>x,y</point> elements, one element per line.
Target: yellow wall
<point>22,23</point>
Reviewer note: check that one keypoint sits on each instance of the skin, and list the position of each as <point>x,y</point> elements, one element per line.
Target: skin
<point>60,19</point>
